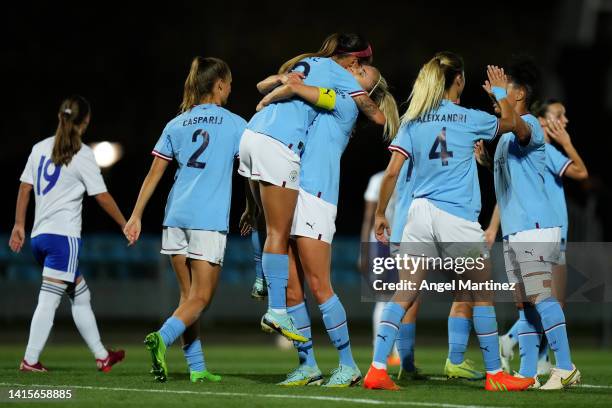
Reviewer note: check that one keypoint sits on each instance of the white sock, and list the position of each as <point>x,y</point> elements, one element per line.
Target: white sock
<point>86,321</point>
<point>380,366</point>
<point>493,372</point>
<point>49,299</point>
<point>281,312</point>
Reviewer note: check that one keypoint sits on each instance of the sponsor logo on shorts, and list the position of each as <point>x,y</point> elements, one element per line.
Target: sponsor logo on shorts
<point>311,225</point>
<point>293,175</point>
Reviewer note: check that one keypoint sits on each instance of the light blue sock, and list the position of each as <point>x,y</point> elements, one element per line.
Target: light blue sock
<point>529,340</point>
<point>553,321</point>
<point>405,345</point>
<point>257,249</point>
<point>458,336</point>
<point>300,316</point>
<point>194,356</point>
<point>513,333</point>
<point>276,271</point>
<point>171,330</point>
<point>485,326</point>
<point>334,319</point>
<point>388,327</point>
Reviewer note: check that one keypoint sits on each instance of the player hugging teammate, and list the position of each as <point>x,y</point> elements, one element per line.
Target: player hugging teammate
<point>289,153</point>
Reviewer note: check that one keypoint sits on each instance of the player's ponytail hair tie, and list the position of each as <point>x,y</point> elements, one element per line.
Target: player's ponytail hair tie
<point>72,113</point>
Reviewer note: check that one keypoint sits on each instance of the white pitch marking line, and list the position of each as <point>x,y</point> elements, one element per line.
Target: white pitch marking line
<point>593,386</point>
<point>242,394</point>
<point>577,385</point>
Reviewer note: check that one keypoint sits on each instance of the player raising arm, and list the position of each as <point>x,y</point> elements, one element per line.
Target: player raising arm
<point>60,170</point>
<point>531,231</point>
<point>570,165</point>
<point>204,140</point>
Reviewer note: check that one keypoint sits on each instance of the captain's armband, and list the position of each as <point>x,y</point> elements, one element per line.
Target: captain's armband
<point>327,99</point>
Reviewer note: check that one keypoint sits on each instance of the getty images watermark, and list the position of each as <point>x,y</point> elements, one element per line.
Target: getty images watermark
<point>576,272</point>
<point>410,265</point>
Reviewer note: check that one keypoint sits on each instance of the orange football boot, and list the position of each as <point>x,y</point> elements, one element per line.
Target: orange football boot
<point>503,381</point>
<point>378,379</point>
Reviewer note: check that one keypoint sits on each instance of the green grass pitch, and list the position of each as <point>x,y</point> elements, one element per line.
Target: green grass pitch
<point>250,373</point>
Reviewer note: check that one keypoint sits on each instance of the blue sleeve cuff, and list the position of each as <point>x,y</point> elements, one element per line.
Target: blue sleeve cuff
<point>500,93</point>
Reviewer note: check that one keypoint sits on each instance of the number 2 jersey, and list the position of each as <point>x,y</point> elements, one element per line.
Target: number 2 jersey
<point>441,147</point>
<point>287,121</point>
<point>204,141</point>
<point>58,190</point>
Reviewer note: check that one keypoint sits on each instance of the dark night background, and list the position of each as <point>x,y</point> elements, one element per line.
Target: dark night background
<point>130,60</point>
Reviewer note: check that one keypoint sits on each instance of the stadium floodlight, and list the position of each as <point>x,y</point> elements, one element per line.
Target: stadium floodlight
<point>107,153</point>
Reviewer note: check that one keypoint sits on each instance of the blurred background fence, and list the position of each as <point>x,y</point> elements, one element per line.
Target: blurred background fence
<point>136,286</point>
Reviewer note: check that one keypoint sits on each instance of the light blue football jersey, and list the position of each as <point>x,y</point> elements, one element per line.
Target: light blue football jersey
<point>519,182</point>
<point>441,144</point>
<point>327,138</point>
<point>204,141</point>
<point>556,164</point>
<point>288,121</point>
<point>403,200</point>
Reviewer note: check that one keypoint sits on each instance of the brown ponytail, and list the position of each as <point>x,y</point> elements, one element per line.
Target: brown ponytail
<point>202,76</point>
<point>72,113</point>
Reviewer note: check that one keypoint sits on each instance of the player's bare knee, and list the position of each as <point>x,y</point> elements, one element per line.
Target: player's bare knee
<point>276,241</point>
<point>183,296</point>
<point>320,288</point>
<point>323,294</point>
<point>201,299</point>
<point>461,309</point>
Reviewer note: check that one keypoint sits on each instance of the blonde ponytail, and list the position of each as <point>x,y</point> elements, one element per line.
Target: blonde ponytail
<point>434,78</point>
<point>385,101</point>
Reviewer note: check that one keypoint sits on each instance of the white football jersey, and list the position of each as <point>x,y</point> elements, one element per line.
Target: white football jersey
<point>371,194</point>
<point>59,190</point>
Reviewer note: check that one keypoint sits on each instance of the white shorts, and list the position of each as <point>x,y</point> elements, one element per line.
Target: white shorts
<point>530,251</point>
<point>428,224</point>
<point>195,244</point>
<point>314,218</point>
<point>263,158</point>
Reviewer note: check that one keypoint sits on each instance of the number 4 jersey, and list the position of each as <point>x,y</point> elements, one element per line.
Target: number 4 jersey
<point>58,190</point>
<point>204,141</point>
<point>441,145</point>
